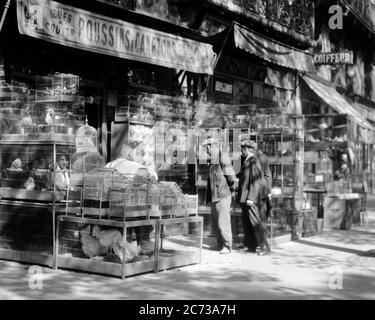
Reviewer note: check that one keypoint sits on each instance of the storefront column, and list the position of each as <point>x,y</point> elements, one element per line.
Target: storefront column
<point>299,165</point>
<point>104,135</point>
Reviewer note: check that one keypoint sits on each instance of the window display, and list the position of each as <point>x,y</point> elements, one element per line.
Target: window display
<point>38,122</point>
<point>157,126</point>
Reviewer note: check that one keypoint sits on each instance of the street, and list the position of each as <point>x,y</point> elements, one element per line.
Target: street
<point>336,264</point>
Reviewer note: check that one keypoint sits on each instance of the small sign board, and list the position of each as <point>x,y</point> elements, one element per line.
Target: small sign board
<point>224,87</point>
<point>329,58</point>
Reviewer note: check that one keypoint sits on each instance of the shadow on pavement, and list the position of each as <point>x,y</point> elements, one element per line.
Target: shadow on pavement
<point>330,247</point>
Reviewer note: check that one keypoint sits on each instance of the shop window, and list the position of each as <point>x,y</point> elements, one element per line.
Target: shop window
<point>242,91</point>
<point>258,90</point>
<point>269,93</point>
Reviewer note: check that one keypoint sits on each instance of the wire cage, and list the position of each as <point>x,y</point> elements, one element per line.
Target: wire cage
<point>92,198</point>
<point>57,85</point>
<point>275,122</point>
<point>180,242</point>
<point>105,246</point>
<point>191,205</point>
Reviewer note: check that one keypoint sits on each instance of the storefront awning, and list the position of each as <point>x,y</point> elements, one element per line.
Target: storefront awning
<point>330,96</point>
<point>271,50</point>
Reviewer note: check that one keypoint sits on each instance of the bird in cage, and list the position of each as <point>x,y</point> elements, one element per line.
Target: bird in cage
<point>16,164</point>
<point>112,240</point>
<point>49,116</point>
<point>90,245</point>
<point>29,184</point>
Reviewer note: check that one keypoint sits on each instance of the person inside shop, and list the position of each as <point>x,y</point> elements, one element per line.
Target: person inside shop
<point>220,187</point>
<point>62,180</point>
<point>126,165</point>
<point>343,172</point>
<point>252,192</point>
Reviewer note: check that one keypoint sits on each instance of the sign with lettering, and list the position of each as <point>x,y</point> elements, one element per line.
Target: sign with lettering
<point>334,58</point>
<point>65,25</point>
<point>223,86</point>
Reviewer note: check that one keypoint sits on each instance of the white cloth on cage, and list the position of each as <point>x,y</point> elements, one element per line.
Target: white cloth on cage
<point>128,167</point>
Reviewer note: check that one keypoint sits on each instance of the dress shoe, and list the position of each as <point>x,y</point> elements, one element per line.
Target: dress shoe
<point>225,250</point>
<point>264,252</point>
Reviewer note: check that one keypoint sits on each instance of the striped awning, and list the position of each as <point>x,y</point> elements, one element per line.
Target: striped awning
<point>271,50</point>
<point>331,97</point>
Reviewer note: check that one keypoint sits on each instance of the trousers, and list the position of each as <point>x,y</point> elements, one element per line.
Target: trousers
<point>221,223</point>
<point>254,228</point>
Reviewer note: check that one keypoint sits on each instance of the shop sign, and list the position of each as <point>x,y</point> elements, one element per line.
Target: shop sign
<point>65,25</point>
<point>223,87</point>
<point>334,58</point>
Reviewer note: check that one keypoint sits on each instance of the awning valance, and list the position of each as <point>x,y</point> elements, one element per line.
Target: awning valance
<point>271,50</point>
<point>330,96</point>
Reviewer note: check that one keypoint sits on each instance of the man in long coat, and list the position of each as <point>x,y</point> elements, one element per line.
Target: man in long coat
<point>252,193</point>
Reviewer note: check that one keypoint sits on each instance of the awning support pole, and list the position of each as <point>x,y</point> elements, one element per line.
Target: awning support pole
<point>7,5</point>
<point>216,62</point>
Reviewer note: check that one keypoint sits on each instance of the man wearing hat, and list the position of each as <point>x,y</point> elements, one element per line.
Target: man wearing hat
<point>220,186</point>
<point>252,191</point>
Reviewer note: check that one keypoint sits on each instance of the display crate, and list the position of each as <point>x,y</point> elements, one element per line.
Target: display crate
<point>180,242</point>
<point>97,246</point>
<point>26,232</point>
<point>92,245</point>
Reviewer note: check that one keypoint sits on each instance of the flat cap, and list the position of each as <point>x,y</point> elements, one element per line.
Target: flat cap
<point>249,144</point>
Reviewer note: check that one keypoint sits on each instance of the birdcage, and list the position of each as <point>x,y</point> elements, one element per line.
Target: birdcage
<point>191,204</point>
<point>86,138</point>
<point>128,202</point>
<point>97,187</point>
<point>57,85</point>
<point>275,122</point>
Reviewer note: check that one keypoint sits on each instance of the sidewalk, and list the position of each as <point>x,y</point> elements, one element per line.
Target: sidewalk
<point>295,270</point>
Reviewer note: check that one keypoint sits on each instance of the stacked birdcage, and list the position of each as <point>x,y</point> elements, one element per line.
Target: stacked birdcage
<point>167,200</point>
<point>191,204</point>
<point>99,185</point>
<point>128,202</point>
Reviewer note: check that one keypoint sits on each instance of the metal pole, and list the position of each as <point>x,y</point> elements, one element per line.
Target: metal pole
<point>7,5</point>
<point>216,62</point>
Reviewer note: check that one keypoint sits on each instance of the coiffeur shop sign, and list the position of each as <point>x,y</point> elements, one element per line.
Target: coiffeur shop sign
<point>334,58</point>
<point>58,23</point>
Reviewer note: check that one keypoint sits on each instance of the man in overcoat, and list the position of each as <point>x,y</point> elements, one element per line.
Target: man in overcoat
<point>252,194</point>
